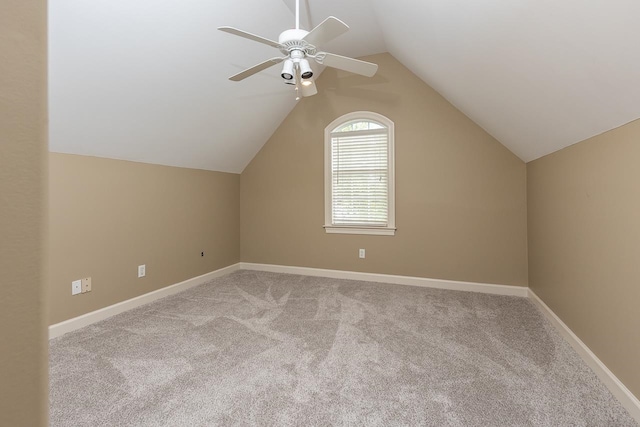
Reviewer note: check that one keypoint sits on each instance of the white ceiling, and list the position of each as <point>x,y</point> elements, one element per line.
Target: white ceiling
<point>146,80</point>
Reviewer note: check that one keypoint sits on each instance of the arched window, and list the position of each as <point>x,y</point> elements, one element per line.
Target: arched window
<point>359,175</point>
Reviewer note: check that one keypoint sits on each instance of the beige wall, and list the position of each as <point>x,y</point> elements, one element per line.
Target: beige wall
<point>584,244</point>
<point>109,216</point>
<point>23,147</point>
<point>460,195</point>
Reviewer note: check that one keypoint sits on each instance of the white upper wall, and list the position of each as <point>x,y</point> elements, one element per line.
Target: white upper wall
<point>146,80</point>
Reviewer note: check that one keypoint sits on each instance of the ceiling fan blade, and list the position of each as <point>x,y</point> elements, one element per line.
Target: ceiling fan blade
<point>250,36</point>
<point>255,69</point>
<point>303,90</point>
<point>328,30</point>
<point>356,66</point>
<point>309,90</point>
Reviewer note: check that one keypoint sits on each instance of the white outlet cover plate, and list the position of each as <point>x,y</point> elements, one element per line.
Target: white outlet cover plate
<point>76,287</point>
<point>142,270</point>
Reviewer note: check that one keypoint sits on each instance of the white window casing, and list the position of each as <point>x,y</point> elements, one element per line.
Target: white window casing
<point>360,175</point>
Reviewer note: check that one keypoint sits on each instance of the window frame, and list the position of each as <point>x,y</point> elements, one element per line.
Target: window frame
<point>390,228</point>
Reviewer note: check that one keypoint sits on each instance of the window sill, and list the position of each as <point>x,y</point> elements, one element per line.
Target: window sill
<point>377,231</point>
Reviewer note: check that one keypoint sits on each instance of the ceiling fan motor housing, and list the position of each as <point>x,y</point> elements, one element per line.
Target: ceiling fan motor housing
<point>292,40</point>
<point>290,35</point>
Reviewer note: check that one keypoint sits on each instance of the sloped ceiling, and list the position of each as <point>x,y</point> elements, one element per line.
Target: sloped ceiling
<point>146,80</point>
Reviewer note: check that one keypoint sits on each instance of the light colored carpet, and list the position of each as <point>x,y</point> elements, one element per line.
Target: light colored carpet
<point>255,348</point>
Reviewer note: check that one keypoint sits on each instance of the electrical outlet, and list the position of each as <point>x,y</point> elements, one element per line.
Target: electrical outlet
<point>142,270</point>
<point>86,284</point>
<point>76,287</point>
<point>202,253</point>
<point>361,253</point>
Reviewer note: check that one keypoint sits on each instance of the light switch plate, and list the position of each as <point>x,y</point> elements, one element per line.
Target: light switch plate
<point>86,284</point>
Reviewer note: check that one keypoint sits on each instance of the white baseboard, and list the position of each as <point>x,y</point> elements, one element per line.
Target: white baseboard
<point>520,291</point>
<point>615,386</point>
<point>95,316</point>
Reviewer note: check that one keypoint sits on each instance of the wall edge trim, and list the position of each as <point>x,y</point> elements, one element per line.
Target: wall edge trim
<point>615,386</point>
<point>454,285</point>
<point>86,319</point>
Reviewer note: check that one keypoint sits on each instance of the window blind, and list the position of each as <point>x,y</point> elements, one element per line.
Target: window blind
<point>360,178</point>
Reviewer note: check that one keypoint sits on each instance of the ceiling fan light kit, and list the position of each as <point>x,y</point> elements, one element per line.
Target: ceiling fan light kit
<point>287,70</point>
<point>297,45</point>
<point>305,69</point>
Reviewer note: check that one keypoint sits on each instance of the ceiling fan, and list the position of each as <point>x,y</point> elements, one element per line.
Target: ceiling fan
<point>297,45</point>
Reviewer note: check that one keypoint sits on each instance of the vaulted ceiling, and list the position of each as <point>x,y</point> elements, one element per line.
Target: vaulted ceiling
<point>146,80</point>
